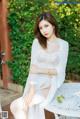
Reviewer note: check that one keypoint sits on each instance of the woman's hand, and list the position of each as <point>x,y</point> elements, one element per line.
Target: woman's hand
<point>50,71</point>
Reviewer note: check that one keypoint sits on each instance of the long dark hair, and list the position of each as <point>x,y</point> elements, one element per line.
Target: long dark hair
<point>48,17</point>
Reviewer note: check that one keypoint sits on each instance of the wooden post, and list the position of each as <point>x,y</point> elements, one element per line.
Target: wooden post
<point>5,43</point>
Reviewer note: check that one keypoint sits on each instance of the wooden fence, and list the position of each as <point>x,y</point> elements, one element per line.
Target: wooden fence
<point>4,44</point>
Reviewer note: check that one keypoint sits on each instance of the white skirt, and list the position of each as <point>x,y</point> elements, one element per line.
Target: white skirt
<point>35,110</point>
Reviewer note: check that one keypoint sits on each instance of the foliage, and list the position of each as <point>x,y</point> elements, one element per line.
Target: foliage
<point>68,16</point>
<point>21,20</point>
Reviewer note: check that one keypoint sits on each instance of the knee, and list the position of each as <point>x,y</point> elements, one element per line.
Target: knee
<point>12,107</point>
<point>16,105</point>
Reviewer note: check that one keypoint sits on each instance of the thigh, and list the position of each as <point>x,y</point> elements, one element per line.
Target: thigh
<point>20,114</point>
<point>17,105</point>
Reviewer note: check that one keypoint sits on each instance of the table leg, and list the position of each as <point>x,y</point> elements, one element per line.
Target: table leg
<point>56,116</point>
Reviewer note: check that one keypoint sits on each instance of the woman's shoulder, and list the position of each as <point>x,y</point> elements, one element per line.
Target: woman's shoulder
<point>63,42</point>
<point>35,41</point>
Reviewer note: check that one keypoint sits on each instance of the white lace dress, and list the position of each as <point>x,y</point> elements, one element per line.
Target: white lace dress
<point>55,57</point>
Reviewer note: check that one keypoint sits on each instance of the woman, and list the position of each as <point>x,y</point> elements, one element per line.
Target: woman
<point>47,70</point>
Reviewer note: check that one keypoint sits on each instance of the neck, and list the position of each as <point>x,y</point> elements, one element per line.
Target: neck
<point>53,37</point>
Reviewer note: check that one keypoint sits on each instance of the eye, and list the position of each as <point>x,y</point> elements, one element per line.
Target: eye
<point>46,25</point>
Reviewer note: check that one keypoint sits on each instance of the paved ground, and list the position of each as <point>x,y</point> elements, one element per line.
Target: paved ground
<point>7,108</point>
<point>7,96</point>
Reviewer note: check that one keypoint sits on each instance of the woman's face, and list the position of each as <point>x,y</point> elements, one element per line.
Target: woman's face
<point>46,28</point>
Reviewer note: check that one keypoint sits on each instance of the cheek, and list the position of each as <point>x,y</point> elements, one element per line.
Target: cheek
<point>50,29</point>
<point>41,31</point>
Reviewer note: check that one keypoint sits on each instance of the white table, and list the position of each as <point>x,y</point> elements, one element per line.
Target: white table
<point>70,105</point>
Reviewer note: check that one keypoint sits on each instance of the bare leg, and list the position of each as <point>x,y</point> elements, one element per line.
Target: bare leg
<point>20,115</point>
<point>28,98</point>
<point>17,109</point>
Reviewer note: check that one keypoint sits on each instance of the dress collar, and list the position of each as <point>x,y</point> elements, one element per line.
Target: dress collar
<point>52,41</point>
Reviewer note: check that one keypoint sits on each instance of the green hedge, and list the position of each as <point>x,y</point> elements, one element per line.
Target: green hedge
<point>68,18</point>
<point>21,20</point>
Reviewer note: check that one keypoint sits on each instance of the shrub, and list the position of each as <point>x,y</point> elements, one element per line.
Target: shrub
<point>21,20</point>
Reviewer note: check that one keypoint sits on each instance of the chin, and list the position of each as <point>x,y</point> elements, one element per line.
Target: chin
<point>46,37</point>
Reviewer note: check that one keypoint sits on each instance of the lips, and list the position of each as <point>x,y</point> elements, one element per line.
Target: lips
<point>46,34</point>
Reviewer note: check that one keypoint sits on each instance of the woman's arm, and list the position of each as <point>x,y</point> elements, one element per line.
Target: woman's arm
<point>37,70</point>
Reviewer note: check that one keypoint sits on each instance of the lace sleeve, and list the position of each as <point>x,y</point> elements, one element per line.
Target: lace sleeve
<point>61,68</point>
<point>34,52</point>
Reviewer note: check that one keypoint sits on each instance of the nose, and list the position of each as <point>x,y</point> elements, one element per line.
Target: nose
<point>44,30</point>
